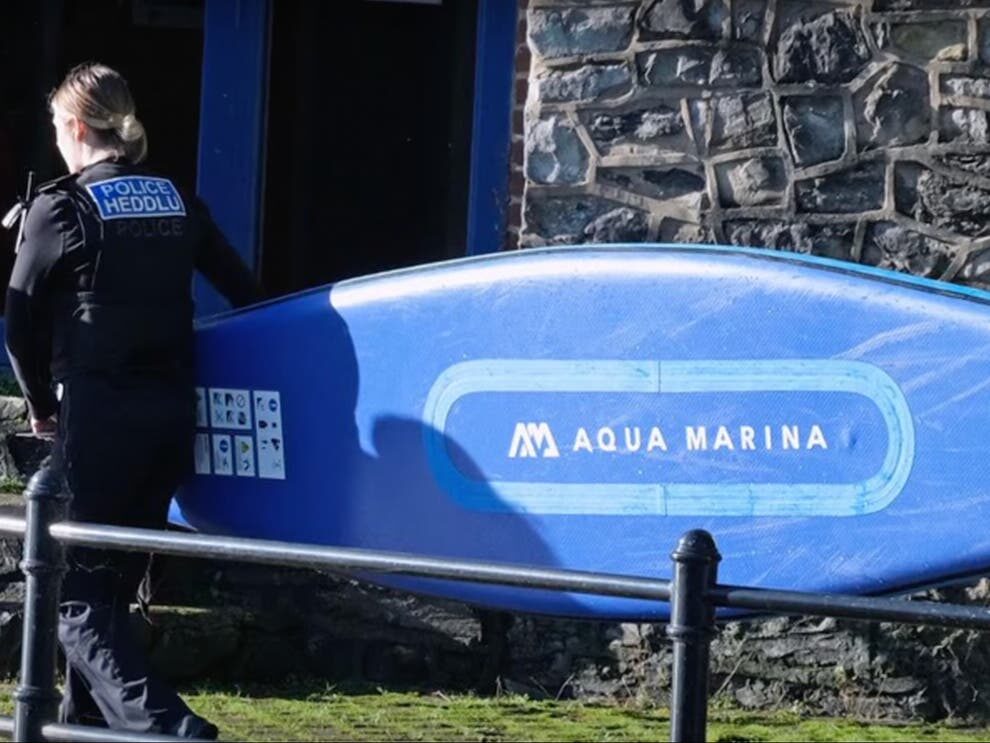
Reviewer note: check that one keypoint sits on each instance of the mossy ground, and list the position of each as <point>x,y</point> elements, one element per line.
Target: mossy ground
<point>310,710</point>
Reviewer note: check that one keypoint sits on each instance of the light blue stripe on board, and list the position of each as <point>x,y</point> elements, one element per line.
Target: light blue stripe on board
<point>673,377</point>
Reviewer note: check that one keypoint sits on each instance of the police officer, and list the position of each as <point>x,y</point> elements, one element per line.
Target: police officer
<point>99,302</point>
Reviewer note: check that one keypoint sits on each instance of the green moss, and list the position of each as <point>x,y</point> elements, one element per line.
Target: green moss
<point>302,710</point>
<point>8,384</point>
<point>308,710</point>
<point>11,485</point>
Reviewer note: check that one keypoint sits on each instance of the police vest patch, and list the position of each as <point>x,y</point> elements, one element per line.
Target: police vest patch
<point>135,197</point>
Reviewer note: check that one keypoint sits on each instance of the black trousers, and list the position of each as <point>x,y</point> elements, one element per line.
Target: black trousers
<point>124,444</point>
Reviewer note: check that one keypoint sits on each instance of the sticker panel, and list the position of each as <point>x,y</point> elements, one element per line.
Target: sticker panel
<point>268,426</point>
<point>244,451</point>
<point>223,457</point>
<point>201,454</point>
<point>202,416</point>
<point>230,408</point>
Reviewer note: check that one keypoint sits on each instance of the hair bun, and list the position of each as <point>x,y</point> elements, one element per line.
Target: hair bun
<point>130,128</point>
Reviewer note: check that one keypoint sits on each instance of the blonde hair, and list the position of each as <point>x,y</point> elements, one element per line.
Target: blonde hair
<point>99,96</point>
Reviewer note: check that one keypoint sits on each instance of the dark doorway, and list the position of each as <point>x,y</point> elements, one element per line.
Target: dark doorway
<point>156,44</point>
<point>158,47</point>
<point>28,40</point>
<point>370,111</point>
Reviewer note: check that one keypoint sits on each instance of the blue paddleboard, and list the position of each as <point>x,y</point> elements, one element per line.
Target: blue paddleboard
<point>581,408</point>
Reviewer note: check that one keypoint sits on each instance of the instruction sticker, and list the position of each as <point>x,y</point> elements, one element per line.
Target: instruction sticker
<point>243,435</point>
<point>230,408</point>
<point>244,453</point>
<point>201,453</point>
<point>268,427</point>
<point>223,455</point>
<point>202,417</point>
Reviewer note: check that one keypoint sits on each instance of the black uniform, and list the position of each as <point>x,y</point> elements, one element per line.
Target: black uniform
<point>100,301</point>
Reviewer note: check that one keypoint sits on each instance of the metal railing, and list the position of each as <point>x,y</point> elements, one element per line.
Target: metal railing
<point>693,594</point>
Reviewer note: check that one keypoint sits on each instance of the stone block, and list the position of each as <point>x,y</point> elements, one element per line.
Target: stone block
<point>828,49</point>
<point>964,125</point>
<point>621,225</point>
<point>906,175</point>
<point>881,5</point>
<point>942,41</point>
<point>13,414</point>
<point>20,453</point>
<point>642,130</point>
<point>687,65</point>
<point>555,153</point>
<point>741,121</point>
<point>748,20</point>
<point>700,113</point>
<point>735,67</point>
<point>561,220</point>
<point>893,110</point>
<point>565,32</point>
<point>828,240</point>
<point>982,51</point>
<point>584,83</point>
<point>890,245</point>
<point>679,231</point>
<point>976,272</point>
<point>961,85</point>
<point>928,197</point>
<point>666,184</point>
<point>815,128</point>
<point>185,643</point>
<point>976,164</point>
<point>717,67</point>
<point>683,19</point>
<point>751,182</point>
<point>23,456</point>
<point>857,189</point>
<point>11,631</point>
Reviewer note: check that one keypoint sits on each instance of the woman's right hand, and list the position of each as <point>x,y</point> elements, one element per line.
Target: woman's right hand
<point>45,427</point>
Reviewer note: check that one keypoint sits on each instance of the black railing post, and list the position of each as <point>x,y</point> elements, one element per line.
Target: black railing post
<point>36,697</point>
<point>691,628</point>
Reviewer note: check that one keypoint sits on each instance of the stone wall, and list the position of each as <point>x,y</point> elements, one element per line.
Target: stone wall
<point>255,622</point>
<point>854,129</point>
<point>230,622</point>
<point>809,665</point>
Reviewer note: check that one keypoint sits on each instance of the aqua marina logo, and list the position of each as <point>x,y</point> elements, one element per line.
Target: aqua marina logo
<point>537,439</point>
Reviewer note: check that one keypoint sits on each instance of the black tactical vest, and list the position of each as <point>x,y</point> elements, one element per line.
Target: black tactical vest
<point>122,288</point>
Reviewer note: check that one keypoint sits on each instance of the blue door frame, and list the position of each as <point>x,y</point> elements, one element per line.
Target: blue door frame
<point>231,161</point>
<point>233,112</point>
<point>491,133</point>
